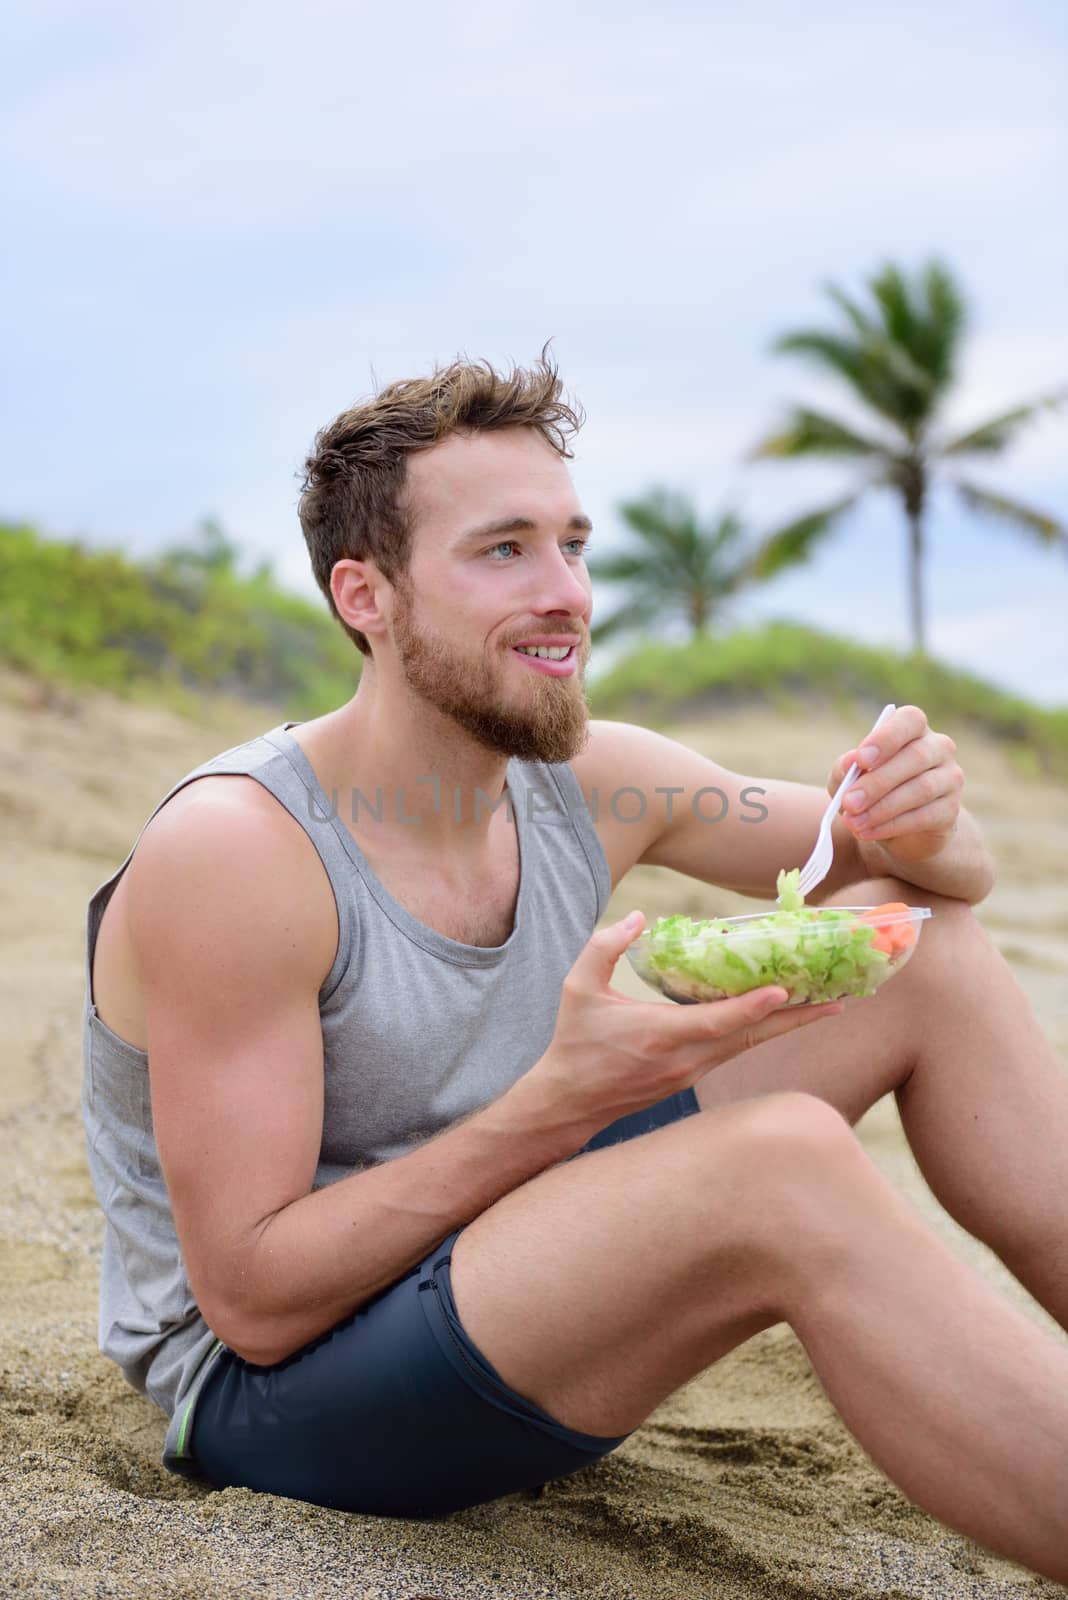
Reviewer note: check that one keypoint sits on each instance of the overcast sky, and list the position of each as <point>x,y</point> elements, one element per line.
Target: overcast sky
<point>227,222</point>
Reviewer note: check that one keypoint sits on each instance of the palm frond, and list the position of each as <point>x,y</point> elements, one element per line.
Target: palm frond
<point>862,323</point>
<point>923,320</point>
<point>906,371</point>
<point>843,356</point>
<point>659,516</point>
<point>881,372</point>
<point>1044,529</point>
<point>813,433</point>
<point>726,533</point>
<point>682,555</point>
<point>990,438</point>
<point>630,618</point>
<point>890,290</point>
<point>619,566</point>
<point>943,323</point>
<point>795,541</point>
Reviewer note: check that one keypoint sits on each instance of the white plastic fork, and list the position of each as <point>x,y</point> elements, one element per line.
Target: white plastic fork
<point>818,864</point>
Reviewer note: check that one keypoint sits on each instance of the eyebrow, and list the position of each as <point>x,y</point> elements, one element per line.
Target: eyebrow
<point>578,524</point>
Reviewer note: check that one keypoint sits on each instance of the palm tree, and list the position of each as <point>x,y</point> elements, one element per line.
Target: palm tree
<point>898,356</point>
<point>683,569</point>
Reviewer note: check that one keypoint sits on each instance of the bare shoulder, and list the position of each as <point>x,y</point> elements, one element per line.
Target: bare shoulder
<point>634,781</point>
<point>608,750</point>
<point>225,854</point>
<point>618,754</point>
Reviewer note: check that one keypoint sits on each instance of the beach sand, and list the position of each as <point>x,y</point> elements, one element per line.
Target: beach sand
<point>743,1484</point>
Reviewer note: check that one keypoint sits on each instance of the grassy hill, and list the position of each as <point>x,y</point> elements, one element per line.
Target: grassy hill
<point>170,632</point>
<point>165,630</point>
<point>793,667</point>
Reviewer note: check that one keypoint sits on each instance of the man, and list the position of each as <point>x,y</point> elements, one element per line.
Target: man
<point>407,1208</point>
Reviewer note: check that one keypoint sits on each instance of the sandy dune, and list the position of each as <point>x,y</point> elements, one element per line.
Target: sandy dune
<point>743,1484</point>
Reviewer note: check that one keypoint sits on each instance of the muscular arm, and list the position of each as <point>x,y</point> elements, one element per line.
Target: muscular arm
<point>737,832</point>
<point>234,924</point>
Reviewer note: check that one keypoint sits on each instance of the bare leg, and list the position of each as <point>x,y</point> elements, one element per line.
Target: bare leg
<point>605,1283</point>
<point>982,1094</point>
<point>954,1393</point>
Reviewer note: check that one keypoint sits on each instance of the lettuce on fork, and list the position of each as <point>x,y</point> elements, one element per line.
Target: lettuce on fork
<point>815,954</point>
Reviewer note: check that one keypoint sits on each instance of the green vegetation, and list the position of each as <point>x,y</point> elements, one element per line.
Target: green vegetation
<point>789,666</point>
<point>169,629</point>
<point>898,358</point>
<point>680,569</point>
<point>172,630</point>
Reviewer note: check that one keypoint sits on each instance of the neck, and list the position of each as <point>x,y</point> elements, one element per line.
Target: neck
<point>430,781</point>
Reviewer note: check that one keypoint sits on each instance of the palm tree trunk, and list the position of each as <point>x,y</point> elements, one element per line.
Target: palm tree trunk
<point>916,580</point>
<point>913,485</point>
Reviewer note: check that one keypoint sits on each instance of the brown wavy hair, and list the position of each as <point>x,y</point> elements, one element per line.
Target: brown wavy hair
<point>352,503</point>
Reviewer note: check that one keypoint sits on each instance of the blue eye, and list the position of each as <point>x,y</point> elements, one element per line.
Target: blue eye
<point>510,544</point>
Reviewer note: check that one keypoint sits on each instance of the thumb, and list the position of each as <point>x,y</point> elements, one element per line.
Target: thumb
<point>839,770</point>
<point>608,944</point>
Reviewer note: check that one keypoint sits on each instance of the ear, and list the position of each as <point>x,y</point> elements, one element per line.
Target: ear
<point>362,594</point>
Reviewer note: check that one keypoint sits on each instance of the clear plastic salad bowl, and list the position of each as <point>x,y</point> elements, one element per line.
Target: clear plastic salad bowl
<point>815,953</point>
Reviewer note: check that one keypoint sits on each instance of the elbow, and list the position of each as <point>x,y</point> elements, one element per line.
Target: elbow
<point>242,1327</point>
<point>254,1339</point>
<point>985,878</point>
<point>256,1352</point>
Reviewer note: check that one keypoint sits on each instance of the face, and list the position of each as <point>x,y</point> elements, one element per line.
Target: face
<point>467,603</point>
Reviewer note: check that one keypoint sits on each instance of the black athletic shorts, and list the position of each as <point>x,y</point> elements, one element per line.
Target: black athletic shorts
<point>394,1412</point>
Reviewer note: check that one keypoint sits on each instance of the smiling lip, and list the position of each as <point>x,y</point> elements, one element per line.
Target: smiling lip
<point>555,669</point>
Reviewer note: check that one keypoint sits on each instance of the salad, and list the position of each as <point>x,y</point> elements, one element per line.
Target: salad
<point>825,953</point>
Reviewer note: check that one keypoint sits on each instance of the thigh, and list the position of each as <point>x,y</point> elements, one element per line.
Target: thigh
<point>395,1412</point>
<point>851,1060</point>
<point>606,1282</point>
<point>392,1413</point>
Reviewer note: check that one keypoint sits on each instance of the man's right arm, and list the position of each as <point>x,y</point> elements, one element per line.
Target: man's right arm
<point>234,925</point>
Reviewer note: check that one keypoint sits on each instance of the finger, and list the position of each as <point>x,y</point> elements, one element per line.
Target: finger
<point>900,729</point>
<point>839,770</point>
<point>713,1019</point>
<point>879,781</point>
<point>718,1019</point>
<point>789,1017</point>
<point>936,818</point>
<point>923,790</point>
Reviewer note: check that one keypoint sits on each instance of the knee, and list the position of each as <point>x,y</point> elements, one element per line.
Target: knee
<point>792,1130</point>
<point>952,922</point>
<point>877,891</point>
<point>780,1146</point>
<point>796,1163</point>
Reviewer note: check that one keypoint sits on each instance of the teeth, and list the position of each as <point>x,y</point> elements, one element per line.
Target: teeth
<point>555,652</point>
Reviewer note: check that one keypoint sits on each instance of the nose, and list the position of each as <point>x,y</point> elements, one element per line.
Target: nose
<point>562,586</point>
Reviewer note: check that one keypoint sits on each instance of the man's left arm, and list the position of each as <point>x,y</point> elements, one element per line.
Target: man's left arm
<point>918,830</point>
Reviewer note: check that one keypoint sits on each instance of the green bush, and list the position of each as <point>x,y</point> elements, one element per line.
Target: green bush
<point>77,617</point>
<point>170,629</point>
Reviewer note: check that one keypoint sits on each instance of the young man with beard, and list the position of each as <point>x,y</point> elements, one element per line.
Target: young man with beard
<point>407,1208</point>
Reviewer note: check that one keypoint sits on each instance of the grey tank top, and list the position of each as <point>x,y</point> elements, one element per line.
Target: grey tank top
<point>418,1031</point>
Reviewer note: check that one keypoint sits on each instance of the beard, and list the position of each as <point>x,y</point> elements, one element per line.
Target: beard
<point>544,719</point>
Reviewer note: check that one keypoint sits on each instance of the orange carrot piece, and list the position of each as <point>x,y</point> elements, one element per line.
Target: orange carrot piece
<point>899,936</point>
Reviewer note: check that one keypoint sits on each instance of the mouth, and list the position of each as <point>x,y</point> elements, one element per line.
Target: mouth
<point>555,669</point>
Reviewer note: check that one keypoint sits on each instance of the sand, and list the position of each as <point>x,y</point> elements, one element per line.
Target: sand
<point>743,1484</point>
